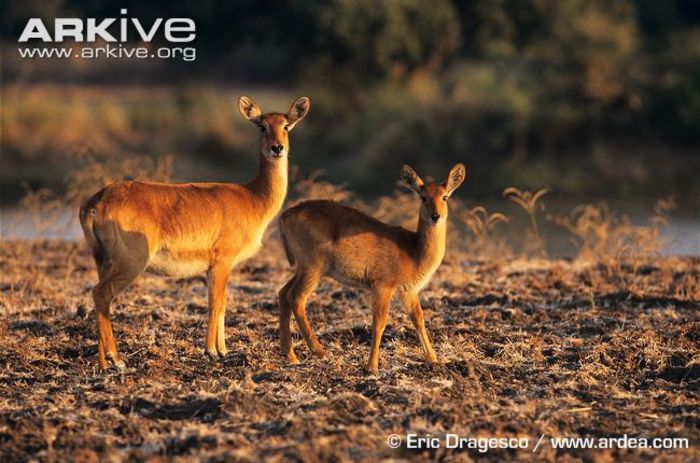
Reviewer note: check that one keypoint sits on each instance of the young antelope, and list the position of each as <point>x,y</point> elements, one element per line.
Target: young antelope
<point>325,238</point>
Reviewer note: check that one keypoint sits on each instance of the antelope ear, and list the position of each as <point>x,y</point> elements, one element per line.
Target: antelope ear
<point>249,109</point>
<point>297,111</point>
<point>413,181</point>
<point>455,178</point>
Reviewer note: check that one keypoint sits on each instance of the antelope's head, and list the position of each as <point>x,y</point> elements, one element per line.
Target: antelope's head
<point>274,127</point>
<point>434,195</point>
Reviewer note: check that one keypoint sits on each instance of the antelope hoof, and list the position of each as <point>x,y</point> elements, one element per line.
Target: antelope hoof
<point>222,353</point>
<point>117,362</point>
<point>213,355</point>
<point>292,358</point>
<point>372,369</point>
<point>431,358</point>
<point>319,351</point>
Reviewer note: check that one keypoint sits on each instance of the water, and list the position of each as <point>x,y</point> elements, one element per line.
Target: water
<point>684,237</point>
<point>682,234</point>
<point>63,224</point>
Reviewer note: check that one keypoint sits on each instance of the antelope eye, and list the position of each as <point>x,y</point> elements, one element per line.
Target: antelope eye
<point>287,127</point>
<point>444,198</point>
<point>262,128</point>
<point>423,198</point>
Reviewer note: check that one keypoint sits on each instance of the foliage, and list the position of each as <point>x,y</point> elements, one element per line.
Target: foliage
<point>530,93</point>
<point>392,37</point>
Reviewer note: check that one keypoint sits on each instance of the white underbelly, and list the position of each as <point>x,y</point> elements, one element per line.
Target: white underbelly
<point>164,263</point>
<point>249,251</point>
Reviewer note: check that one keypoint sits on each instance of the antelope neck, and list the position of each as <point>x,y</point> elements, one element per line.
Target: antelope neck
<point>430,241</point>
<point>269,188</point>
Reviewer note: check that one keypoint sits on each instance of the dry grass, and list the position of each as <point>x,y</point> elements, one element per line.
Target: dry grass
<point>603,344</point>
<point>529,202</point>
<point>481,226</point>
<point>98,171</point>
<point>604,236</point>
<point>526,347</point>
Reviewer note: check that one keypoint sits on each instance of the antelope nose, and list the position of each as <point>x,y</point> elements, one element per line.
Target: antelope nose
<point>435,216</point>
<point>277,149</point>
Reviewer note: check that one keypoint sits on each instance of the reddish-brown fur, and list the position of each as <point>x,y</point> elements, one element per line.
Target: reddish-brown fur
<point>186,229</point>
<point>324,238</point>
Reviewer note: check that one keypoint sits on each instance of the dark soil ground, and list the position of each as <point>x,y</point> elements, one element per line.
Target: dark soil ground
<point>526,348</point>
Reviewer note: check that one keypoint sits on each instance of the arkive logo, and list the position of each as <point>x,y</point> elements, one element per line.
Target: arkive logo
<point>109,31</point>
<point>174,29</point>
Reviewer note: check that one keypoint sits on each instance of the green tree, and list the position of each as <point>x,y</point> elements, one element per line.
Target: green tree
<point>387,38</point>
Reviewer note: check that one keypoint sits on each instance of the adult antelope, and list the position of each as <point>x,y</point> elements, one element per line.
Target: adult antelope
<point>186,229</point>
<point>325,238</point>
